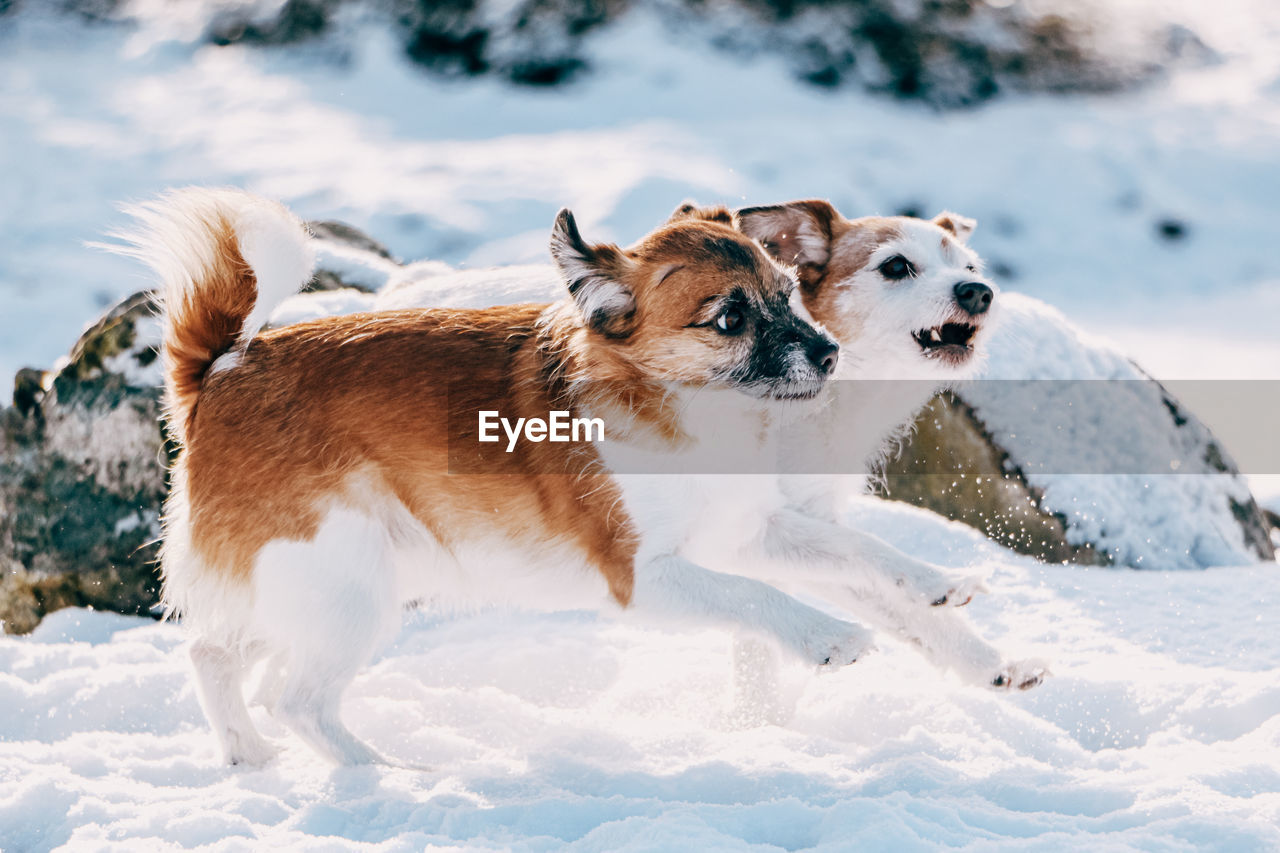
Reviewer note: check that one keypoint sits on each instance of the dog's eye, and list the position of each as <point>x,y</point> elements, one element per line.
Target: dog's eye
<point>971,268</point>
<point>730,321</point>
<point>897,268</point>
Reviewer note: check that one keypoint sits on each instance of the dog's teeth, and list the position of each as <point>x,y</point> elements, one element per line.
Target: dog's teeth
<point>934,336</point>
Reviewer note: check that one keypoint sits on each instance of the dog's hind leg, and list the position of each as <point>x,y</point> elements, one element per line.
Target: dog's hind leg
<point>310,704</point>
<point>331,603</point>
<point>220,672</point>
<point>271,685</point>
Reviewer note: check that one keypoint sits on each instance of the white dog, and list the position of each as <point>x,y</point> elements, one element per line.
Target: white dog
<point>909,303</point>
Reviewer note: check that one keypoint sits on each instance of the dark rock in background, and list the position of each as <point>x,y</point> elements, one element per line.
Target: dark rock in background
<point>946,52</point>
<point>339,234</point>
<point>987,496</point>
<point>293,21</point>
<point>1172,229</point>
<point>82,476</point>
<point>342,233</point>
<point>536,42</point>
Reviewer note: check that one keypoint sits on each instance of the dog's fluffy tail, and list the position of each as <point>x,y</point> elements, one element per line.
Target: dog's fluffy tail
<point>225,259</point>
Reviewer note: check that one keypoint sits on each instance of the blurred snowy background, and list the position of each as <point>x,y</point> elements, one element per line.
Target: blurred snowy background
<point>1148,214</point>
<point>1123,161</point>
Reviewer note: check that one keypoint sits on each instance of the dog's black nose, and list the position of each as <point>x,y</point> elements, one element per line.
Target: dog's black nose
<point>974,297</point>
<point>823,354</point>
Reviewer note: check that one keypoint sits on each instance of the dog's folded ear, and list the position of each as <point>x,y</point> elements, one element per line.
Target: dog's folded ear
<point>798,233</point>
<point>692,210</point>
<point>596,276</point>
<point>959,226</point>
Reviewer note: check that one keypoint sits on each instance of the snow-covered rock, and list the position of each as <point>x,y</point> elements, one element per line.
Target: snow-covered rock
<point>82,461</point>
<point>1068,451</point>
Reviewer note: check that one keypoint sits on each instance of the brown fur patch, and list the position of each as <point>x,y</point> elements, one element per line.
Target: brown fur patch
<point>854,243</point>
<point>714,213</point>
<point>959,226</point>
<point>390,401</point>
<point>828,248</point>
<point>385,399</point>
<point>676,271</point>
<point>798,233</point>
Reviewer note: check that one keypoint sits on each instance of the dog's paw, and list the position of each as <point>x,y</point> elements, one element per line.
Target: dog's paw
<point>1022,675</point>
<point>961,592</point>
<point>250,752</point>
<point>838,644</point>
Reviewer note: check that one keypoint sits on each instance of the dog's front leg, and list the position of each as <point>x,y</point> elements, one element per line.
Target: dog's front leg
<point>942,636</point>
<point>818,546</point>
<point>672,586</point>
<point>863,574</point>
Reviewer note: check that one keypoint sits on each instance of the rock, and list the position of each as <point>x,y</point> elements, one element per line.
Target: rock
<point>950,465</point>
<point>532,42</point>
<point>347,258</point>
<point>288,22</point>
<point>82,462</point>
<point>1171,229</point>
<point>28,389</point>
<point>83,454</point>
<point>1067,451</point>
<point>947,52</point>
<point>343,234</point>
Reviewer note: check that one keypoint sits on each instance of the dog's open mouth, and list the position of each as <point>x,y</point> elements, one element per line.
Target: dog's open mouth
<point>952,342</point>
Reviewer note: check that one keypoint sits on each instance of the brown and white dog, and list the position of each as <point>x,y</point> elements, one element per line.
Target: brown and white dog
<point>312,497</point>
<point>907,300</point>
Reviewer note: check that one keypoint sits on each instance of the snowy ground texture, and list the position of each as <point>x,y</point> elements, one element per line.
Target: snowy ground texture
<point>1158,731</point>
<point>1161,727</point>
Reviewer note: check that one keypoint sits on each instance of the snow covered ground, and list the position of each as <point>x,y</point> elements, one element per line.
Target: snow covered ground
<point>1159,731</point>
<point>1161,727</point>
